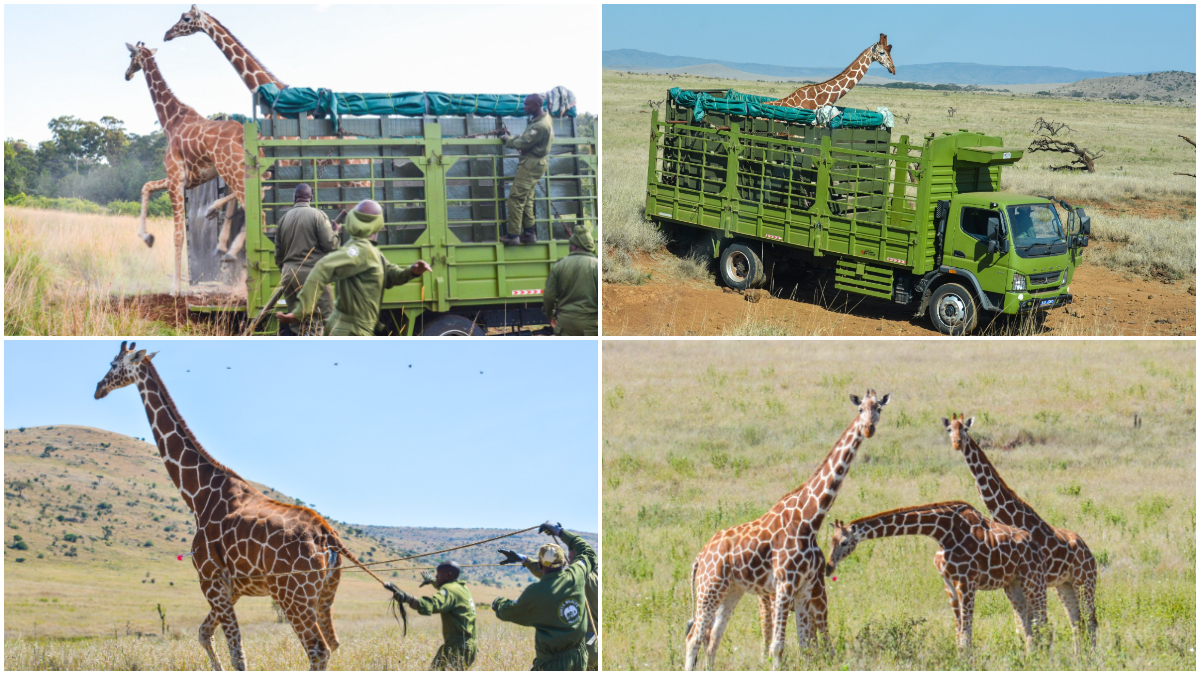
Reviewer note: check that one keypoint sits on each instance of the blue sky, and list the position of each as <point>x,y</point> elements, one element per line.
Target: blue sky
<point>437,445</point>
<point>1110,38</point>
<point>81,55</point>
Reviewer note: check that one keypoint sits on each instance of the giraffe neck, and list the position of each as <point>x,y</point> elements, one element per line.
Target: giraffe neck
<point>825,483</point>
<point>1001,500</point>
<point>252,72</point>
<point>843,81</point>
<point>168,108</point>
<point>931,520</point>
<point>194,472</point>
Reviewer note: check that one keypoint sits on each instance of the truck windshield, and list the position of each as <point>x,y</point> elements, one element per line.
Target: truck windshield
<point>1036,230</point>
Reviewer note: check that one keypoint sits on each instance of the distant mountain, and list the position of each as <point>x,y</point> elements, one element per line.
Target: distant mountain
<point>931,73</point>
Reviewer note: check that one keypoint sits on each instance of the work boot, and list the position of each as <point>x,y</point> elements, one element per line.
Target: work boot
<point>510,239</point>
<point>529,235</point>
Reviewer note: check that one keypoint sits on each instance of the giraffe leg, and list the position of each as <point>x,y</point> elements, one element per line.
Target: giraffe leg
<point>1034,586</point>
<point>147,190</point>
<point>325,608</point>
<point>955,607</point>
<point>301,612</point>
<point>817,607</point>
<point>785,598</point>
<point>221,600</point>
<point>1016,597</point>
<point>724,612</point>
<point>175,190</point>
<point>967,609</point>
<point>766,618</point>
<point>1070,600</point>
<point>207,628</point>
<point>708,598</point>
<point>1087,596</point>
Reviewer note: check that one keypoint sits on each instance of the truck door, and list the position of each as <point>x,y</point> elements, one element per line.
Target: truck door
<point>966,246</point>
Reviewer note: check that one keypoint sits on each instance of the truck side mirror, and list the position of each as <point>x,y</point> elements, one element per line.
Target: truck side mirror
<point>1085,223</point>
<point>997,241</point>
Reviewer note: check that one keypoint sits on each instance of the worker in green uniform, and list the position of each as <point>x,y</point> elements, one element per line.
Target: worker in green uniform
<point>572,287</point>
<point>303,238</point>
<point>555,606</point>
<point>453,601</point>
<point>534,145</point>
<point>593,591</point>
<point>360,274</point>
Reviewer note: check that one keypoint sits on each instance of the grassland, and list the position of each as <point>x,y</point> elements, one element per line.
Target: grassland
<point>85,274</point>
<point>101,526</point>
<point>700,436</point>
<point>1140,145</point>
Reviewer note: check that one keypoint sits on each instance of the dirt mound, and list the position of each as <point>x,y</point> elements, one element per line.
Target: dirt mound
<point>179,312</point>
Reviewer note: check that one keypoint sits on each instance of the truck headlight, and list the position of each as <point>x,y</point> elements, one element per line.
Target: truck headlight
<point>1018,282</point>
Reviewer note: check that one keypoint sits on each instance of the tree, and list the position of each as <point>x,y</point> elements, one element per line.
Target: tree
<point>20,167</point>
<point>1084,158</point>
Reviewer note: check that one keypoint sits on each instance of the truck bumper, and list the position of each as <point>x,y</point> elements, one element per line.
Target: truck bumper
<point>1023,303</point>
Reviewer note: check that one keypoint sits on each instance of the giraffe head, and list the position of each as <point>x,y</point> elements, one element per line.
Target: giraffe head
<point>881,53</point>
<point>868,410</point>
<point>124,369</point>
<point>137,56</point>
<point>192,21</point>
<point>843,543</point>
<point>957,427</point>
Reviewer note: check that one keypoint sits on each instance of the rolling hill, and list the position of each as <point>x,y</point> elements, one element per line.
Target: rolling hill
<point>1165,86</point>
<point>927,73</point>
<point>93,526</point>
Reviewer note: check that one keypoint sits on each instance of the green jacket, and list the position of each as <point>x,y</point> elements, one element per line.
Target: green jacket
<point>593,588</point>
<point>303,238</point>
<point>453,601</point>
<point>536,139</point>
<point>359,273</point>
<point>554,605</point>
<point>572,286</point>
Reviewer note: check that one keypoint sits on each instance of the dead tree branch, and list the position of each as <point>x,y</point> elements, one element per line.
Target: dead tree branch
<point>1188,140</point>
<point>1049,128</point>
<point>950,111</point>
<point>1084,158</point>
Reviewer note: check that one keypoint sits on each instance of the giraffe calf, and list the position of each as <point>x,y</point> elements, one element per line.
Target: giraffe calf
<point>975,554</point>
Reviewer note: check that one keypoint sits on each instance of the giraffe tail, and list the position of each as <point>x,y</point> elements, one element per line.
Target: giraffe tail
<point>399,612</point>
<point>692,621</point>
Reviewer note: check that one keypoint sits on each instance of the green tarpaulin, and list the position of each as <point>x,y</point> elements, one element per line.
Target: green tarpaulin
<point>295,101</point>
<point>750,105</point>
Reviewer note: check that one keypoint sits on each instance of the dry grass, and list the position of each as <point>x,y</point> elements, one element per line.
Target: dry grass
<point>1158,247</point>
<point>703,435</point>
<point>1140,144</point>
<point>62,269</point>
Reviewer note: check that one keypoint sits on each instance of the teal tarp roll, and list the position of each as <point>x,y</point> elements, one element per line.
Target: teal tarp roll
<point>751,105</point>
<point>296,101</point>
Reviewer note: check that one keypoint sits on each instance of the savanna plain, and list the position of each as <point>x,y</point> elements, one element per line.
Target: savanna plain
<point>701,436</point>
<point>1138,275</point>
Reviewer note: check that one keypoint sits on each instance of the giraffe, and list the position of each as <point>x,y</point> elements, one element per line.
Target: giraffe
<point>242,536</point>
<point>1069,564</point>
<point>776,557</point>
<point>975,554</point>
<point>253,74</point>
<point>198,150</point>
<point>814,96</point>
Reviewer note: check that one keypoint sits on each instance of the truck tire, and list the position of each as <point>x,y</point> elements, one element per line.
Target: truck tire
<point>450,325</point>
<point>741,268</point>
<point>953,310</point>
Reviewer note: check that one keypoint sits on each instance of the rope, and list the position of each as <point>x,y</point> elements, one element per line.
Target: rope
<point>380,562</point>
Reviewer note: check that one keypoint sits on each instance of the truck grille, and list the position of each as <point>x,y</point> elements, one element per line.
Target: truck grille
<point>1043,279</point>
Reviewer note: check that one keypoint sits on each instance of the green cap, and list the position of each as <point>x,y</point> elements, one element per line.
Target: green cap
<point>581,237</point>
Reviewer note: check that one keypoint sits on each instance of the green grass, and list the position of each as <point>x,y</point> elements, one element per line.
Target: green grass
<point>700,436</point>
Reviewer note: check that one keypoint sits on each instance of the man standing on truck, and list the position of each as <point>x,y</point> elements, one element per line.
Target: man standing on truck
<point>360,273</point>
<point>534,145</point>
<point>453,601</point>
<point>593,590</point>
<point>303,238</point>
<point>569,299</point>
<point>555,605</point>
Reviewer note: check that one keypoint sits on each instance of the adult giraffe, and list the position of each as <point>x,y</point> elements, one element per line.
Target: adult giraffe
<point>246,544</point>
<point>1069,564</point>
<point>974,554</point>
<point>814,96</point>
<point>776,557</point>
<point>198,150</point>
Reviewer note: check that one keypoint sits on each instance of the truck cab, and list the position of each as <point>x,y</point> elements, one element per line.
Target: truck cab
<point>1014,253</point>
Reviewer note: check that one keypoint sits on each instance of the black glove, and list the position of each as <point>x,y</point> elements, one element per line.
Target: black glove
<point>551,528</point>
<point>510,557</point>
<point>400,595</point>
<point>427,579</point>
<point>496,603</point>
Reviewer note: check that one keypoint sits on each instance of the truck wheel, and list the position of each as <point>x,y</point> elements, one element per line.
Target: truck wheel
<point>741,268</point>
<point>953,310</point>
<point>450,325</point>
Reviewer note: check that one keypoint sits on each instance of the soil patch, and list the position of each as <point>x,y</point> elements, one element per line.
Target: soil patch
<point>175,311</point>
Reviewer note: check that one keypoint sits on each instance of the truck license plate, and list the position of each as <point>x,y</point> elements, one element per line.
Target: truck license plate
<point>1048,303</point>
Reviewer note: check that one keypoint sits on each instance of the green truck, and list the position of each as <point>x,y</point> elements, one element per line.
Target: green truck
<point>443,180</point>
<point>922,224</point>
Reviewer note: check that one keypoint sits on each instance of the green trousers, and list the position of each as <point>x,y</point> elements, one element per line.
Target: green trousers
<point>521,197</point>
<point>455,657</point>
<point>337,325</point>
<point>576,324</point>
<point>575,658</point>
<point>294,277</point>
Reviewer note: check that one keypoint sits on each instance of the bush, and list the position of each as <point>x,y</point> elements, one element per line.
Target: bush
<point>55,203</point>
<point>70,537</point>
<point>20,545</point>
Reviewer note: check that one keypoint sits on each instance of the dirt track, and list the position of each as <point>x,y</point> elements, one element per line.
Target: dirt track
<point>1106,303</point>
